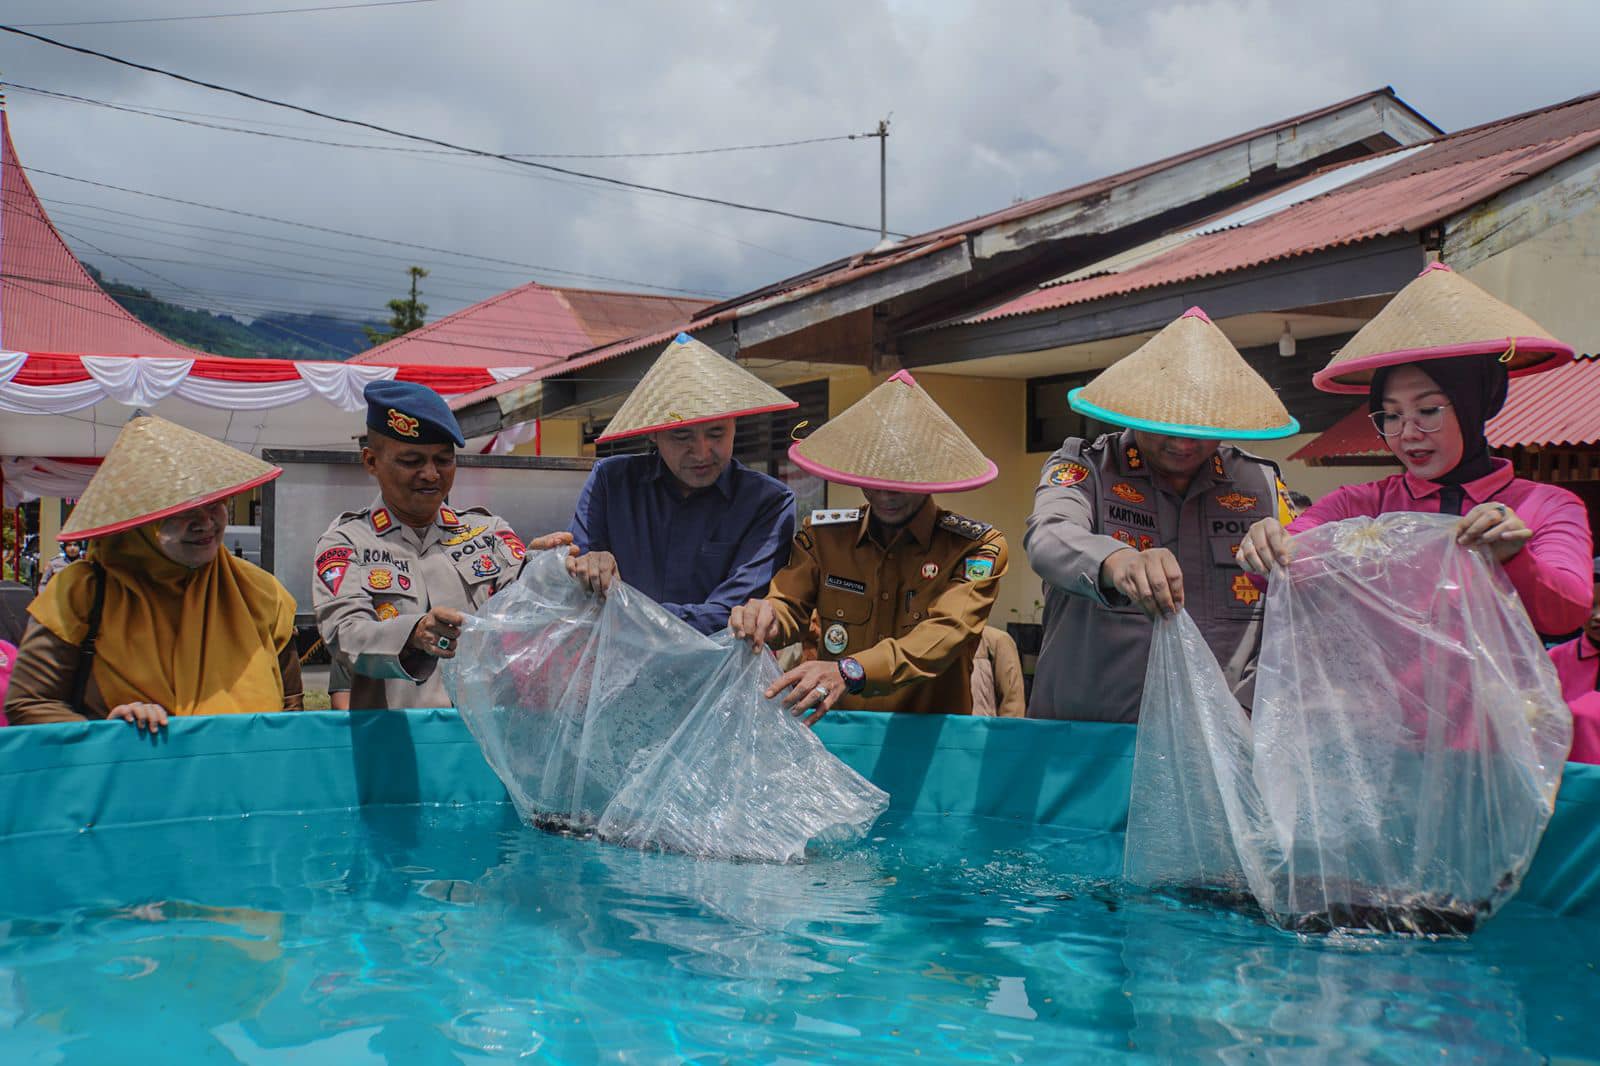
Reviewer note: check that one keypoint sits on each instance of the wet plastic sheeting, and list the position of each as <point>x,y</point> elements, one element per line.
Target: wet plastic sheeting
<point>1407,742</point>
<point>617,717</point>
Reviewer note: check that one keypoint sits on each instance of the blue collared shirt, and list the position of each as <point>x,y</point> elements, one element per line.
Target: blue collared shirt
<point>700,555</point>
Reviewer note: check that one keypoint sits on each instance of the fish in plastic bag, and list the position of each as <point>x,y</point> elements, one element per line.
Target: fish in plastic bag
<point>614,717</point>
<point>1407,741</point>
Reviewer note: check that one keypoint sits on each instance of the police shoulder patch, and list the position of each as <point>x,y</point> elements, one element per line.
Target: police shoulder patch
<point>970,528</point>
<point>831,518</point>
<point>1064,474</point>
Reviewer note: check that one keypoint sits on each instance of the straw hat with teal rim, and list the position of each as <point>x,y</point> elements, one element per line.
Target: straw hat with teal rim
<point>1187,381</point>
<point>689,384</point>
<point>156,469</point>
<point>1441,315</point>
<point>895,438</point>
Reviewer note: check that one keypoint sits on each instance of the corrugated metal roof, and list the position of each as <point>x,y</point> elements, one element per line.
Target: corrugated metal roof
<point>1415,190</point>
<point>841,272</point>
<point>48,302</point>
<point>532,325</point>
<point>1556,407</point>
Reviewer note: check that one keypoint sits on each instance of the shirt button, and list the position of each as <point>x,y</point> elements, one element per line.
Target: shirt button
<point>838,614</point>
<point>883,595</point>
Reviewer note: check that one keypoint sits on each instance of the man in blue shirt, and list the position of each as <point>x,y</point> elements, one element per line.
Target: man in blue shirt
<point>688,525</point>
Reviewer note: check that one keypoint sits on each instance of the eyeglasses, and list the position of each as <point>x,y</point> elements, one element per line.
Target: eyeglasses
<point>1427,420</point>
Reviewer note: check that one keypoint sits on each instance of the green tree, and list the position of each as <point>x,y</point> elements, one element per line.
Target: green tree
<point>406,315</point>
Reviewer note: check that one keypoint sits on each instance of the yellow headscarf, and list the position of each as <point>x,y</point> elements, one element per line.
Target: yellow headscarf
<point>202,641</point>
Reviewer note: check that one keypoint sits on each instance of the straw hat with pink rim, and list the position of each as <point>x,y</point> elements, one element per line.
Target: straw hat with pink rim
<point>895,438</point>
<point>156,469</point>
<point>687,385</point>
<point>1187,381</point>
<point>1441,315</point>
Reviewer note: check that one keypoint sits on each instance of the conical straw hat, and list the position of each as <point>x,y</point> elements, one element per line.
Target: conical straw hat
<point>1439,315</point>
<point>155,469</point>
<point>1187,381</point>
<point>897,439</point>
<point>690,384</point>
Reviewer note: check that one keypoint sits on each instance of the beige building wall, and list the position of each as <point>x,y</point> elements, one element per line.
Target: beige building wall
<point>1553,277</point>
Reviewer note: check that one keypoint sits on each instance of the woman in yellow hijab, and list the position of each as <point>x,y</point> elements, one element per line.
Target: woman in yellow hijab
<point>159,620</point>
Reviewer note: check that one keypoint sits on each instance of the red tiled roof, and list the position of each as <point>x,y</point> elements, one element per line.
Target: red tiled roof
<point>48,302</point>
<point>533,325</point>
<point>1552,408</point>
<point>1420,189</point>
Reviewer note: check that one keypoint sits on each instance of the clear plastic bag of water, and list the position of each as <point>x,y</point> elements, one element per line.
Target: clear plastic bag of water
<point>614,717</point>
<point>1407,741</point>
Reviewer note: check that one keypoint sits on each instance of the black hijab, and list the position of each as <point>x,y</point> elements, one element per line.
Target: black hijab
<point>1476,386</point>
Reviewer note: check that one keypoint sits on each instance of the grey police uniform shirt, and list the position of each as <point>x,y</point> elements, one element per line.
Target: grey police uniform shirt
<point>374,577</point>
<point>1095,499</point>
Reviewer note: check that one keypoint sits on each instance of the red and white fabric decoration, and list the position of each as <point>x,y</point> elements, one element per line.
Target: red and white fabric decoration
<point>252,404</point>
<point>27,478</point>
<point>50,384</point>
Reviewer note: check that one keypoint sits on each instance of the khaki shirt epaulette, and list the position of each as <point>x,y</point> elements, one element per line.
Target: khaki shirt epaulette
<point>373,578</point>
<point>911,612</point>
<point>1097,498</point>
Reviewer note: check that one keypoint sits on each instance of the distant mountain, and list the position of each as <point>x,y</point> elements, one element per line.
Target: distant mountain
<point>334,338</point>
<point>277,336</point>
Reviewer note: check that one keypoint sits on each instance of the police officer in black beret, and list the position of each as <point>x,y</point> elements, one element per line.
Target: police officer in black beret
<point>393,582</point>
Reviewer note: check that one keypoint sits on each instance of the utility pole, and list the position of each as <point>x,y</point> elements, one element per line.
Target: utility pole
<point>882,133</point>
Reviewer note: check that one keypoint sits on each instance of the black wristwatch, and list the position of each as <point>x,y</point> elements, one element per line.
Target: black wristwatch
<point>855,676</point>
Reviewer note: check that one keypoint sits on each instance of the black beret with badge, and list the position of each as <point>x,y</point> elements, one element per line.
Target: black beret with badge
<point>415,414</point>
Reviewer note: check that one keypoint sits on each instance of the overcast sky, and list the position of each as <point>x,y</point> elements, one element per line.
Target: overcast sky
<point>991,102</point>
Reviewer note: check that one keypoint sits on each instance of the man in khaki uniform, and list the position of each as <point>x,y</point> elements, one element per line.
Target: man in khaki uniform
<point>1138,524</point>
<point>393,582</point>
<point>901,588</point>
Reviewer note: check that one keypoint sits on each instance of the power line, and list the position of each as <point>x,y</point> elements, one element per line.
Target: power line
<point>533,267</point>
<point>432,155</point>
<point>422,139</point>
<point>171,115</point>
<point>230,14</point>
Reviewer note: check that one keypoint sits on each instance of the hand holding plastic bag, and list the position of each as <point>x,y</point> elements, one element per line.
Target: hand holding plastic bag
<point>1407,742</point>
<point>616,717</point>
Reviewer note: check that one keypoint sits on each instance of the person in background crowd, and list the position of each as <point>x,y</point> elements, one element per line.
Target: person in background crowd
<point>393,582</point>
<point>1141,523</point>
<point>901,588</point>
<point>160,621</point>
<point>688,525</point>
<point>71,552</point>
<point>1578,666</point>
<point>997,688</point>
<point>8,660</point>
<point>1434,364</point>
<point>1299,503</point>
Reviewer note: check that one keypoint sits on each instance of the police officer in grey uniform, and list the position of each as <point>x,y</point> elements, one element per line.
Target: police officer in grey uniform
<point>1141,523</point>
<point>394,581</point>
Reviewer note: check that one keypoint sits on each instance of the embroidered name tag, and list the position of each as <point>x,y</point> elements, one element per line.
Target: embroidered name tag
<point>846,585</point>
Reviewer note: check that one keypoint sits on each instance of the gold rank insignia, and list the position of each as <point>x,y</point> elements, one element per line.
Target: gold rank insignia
<point>463,536</point>
<point>1237,501</point>
<point>381,521</point>
<point>1216,465</point>
<point>1135,460</point>
<point>448,517</point>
